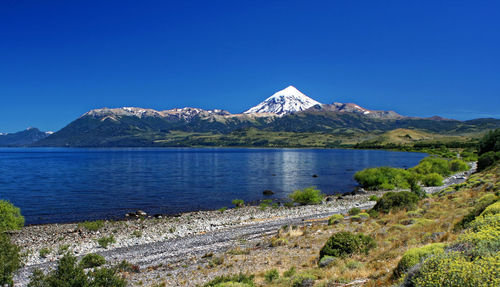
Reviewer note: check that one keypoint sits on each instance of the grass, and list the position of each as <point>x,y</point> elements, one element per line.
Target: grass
<point>105,241</point>
<point>92,225</point>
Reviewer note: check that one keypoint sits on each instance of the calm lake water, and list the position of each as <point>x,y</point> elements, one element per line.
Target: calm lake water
<point>64,185</point>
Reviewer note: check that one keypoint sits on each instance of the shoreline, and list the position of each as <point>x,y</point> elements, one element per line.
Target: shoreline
<point>147,241</point>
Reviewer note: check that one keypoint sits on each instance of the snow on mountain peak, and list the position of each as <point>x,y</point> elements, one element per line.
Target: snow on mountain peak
<point>288,100</point>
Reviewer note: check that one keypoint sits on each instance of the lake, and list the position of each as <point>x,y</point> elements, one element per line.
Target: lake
<point>66,184</point>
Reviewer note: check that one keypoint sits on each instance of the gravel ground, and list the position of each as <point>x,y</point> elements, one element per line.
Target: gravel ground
<point>175,241</point>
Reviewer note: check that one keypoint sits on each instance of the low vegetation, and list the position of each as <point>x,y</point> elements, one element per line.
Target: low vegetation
<point>346,243</point>
<point>105,241</point>
<point>429,172</point>
<point>308,195</point>
<point>92,225</point>
<point>92,260</point>
<point>69,273</point>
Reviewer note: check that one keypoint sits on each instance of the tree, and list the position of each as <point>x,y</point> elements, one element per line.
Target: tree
<point>10,217</point>
<point>9,260</point>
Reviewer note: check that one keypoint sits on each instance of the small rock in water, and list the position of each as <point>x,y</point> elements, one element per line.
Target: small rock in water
<point>315,175</point>
<point>268,192</point>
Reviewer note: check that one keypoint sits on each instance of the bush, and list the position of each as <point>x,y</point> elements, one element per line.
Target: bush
<point>483,236</point>
<point>490,142</point>
<point>354,211</point>
<point>308,195</point>
<point>105,241</point>
<point>44,252</point>
<point>10,217</point>
<point>345,243</point>
<point>386,178</point>
<point>245,280</point>
<point>432,164</point>
<point>271,275</point>
<point>480,206</point>
<point>92,260</point>
<point>68,273</point>
<point>491,209</point>
<point>290,272</point>
<point>303,279</point>
<point>396,201</point>
<point>238,202</point>
<point>92,225</point>
<point>334,219</point>
<point>373,197</point>
<point>457,165</point>
<point>373,213</point>
<point>453,269</point>
<point>414,256</point>
<point>432,179</point>
<point>487,159</point>
<point>9,260</point>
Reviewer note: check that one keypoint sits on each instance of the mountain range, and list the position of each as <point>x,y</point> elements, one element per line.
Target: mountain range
<point>287,118</point>
<point>22,138</point>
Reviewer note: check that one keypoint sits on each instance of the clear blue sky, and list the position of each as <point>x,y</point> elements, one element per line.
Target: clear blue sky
<point>59,59</point>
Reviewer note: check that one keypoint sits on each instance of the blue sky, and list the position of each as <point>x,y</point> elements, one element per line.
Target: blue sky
<point>59,59</point>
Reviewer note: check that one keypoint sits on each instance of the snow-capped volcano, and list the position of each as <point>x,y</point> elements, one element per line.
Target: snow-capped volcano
<point>286,101</point>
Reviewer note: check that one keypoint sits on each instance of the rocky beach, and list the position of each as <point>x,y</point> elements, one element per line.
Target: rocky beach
<point>176,243</point>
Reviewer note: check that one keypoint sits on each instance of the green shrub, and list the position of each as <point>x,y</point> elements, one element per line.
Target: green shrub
<point>271,275</point>
<point>354,211</point>
<point>373,197</point>
<point>490,142</point>
<point>483,236</point>
<point>468,156</point>
<point>373,213</point>
<point>222,209</point>
<point>290,272</point>
<point>92,225</point>
<point>44,252</point>
<point>345,243</point>
<point>70,274</point>
<point>396,201</point>
<point>10,217</point>
<point>432,164</point>
<point>246,280</point>
<point>308,195</point>
<point>487,159</point>
<point>414,256</point>
<point>480,206</point>
<point>492,209</point>
<point>457,165</point>
<point>238,202</point>
<point>334,219</point>
<point>453,269</point>
<point>432,179</point>
<point>105,241</point>
<point>386,178</point>
<point>300,280</point>
<point>92,260</point>
<point>9,260</point>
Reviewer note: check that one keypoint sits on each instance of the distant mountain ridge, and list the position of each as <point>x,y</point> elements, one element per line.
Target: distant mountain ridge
<point>288,110</point>
<point>22,138</point>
